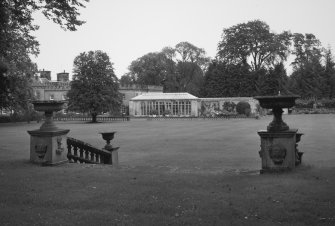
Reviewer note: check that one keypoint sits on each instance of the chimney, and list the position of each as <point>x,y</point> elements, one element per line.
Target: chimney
<point>63,77</point>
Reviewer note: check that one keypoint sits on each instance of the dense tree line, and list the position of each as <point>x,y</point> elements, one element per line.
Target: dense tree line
<point>250,61</point>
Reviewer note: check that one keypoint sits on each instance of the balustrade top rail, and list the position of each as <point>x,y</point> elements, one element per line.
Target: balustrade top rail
<point>86,118</point>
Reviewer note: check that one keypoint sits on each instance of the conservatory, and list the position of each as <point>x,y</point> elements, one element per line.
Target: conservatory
<point>164,104</point>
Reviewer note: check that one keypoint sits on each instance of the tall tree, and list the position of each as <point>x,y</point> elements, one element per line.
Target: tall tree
<point>190,53</point>
<point>186,65</point>
<point>255,43</point>
<point>228,80</point>
<point>307,50</point>
<point>306,78</point>
<point>273,81</point>
<point>216,82</point>
<point>188,78</point>
<point>127,80</point>
<point>17,44</point>
<point>329,74</point>
<point>94,88</point>
<point>149,69</point>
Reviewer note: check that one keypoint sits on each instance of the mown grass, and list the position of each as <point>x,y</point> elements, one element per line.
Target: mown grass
<point>171,173</point>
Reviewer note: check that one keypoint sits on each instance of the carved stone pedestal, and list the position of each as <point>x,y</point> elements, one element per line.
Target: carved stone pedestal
<point>48,147</point>
<point>278,150</point>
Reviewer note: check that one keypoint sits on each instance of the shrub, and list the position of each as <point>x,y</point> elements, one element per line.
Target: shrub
<point>14,118</point>
<point>247,112</point>
<point>300,103</point>
<point>167,112</point>
<point>154,112</point>
<point>243,107</point>
<point>328,103</point>
<point>229,106</point>
<point>5,118</point>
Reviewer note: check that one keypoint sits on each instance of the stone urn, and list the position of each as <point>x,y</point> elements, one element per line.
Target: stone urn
<point>48,143</point>
<point>277,103</point>
<point>48,107</point>
<point>108,136</point>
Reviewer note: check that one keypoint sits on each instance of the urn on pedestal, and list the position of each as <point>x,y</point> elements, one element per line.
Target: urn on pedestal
<point>278,142</point>
<point>108,136</point>
<point>47,144</point>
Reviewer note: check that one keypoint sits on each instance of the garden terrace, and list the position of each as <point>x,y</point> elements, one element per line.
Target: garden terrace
<point>197,172</point>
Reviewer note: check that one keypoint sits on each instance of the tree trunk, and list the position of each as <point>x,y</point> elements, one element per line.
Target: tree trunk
<point>94,117</point>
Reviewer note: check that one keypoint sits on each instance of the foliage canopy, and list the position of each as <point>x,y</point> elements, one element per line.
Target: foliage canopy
<point>94,88</point>
<point>254,42</point>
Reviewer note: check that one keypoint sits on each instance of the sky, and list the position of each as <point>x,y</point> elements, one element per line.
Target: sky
<point>129,29</point>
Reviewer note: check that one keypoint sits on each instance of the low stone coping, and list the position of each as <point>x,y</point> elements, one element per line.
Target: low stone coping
<point>42,133</point>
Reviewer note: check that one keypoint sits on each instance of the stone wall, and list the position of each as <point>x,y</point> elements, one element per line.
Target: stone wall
<point>210,105</point>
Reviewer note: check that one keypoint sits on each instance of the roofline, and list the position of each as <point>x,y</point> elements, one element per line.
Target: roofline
<point>166,99</point>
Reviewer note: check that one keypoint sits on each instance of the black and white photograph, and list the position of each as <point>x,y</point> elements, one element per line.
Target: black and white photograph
<point>167,112</point>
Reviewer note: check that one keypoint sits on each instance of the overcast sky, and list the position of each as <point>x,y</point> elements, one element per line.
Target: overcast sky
<point>128,29</point>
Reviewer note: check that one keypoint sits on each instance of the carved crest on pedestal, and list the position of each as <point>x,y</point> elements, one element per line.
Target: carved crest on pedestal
<point>59,149</point>
<point>40,150</point>
<point>277,153</point>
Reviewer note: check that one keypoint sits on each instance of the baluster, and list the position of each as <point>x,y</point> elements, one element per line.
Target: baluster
<point>75,152</point>
<point>87,154</point>
<point>81,151</point>
<point>69,147</point>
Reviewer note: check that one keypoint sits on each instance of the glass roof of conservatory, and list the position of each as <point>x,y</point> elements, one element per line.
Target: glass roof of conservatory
<point>165,96</point>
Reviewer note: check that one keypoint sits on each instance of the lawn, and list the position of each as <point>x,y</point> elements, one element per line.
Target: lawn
<point>197,172</point>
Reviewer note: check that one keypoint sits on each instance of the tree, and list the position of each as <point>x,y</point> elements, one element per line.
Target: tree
<point>17,44</point>
<point>329,74</point>
<point>215,84</point>
<point>273,81</point>
<point>190,53</point>
<point>189,78</point>
<point>94,88</point>
<point>15,80</point>
<point>149,69</point>
<point>228,80</point>
<point>307,50</point>
<point>307,79</point>
<point>186,65</point>
<point>253,42</point>
<point>127,80</point>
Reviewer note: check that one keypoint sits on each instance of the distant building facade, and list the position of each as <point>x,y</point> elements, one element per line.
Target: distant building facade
<point>141,100</point>
<point>46,89</point>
